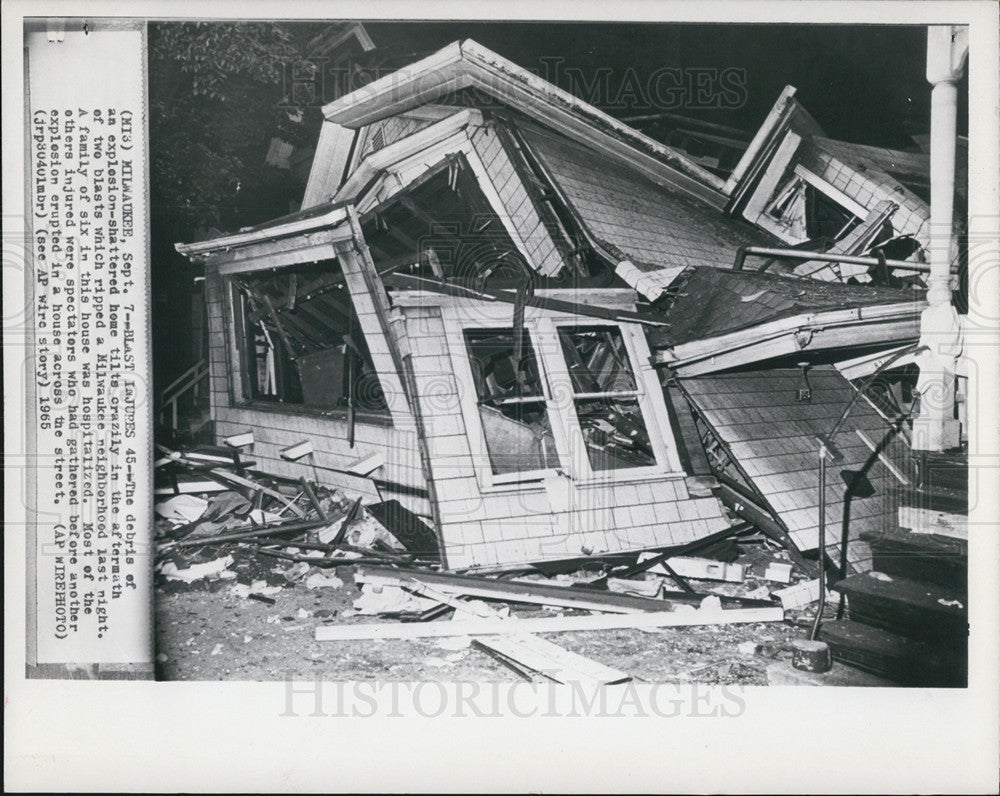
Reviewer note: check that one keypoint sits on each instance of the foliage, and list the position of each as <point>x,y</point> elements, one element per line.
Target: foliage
<point>216,100</point>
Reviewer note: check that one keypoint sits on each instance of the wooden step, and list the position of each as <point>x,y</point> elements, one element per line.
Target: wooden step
<point>944,470</point>
<point>914,608</point>
<point>928,521</point>
<point>897,658</point>
<point>932,498</point>
<point>938,559</point>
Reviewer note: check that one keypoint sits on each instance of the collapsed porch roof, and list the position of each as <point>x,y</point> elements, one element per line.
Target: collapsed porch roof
<point>711,302</point>
<point>769,439</point>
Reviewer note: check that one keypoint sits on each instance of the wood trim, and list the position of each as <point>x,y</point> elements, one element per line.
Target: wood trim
<point>466,64</point>
<point>284,252</point>
<point>561,624</point>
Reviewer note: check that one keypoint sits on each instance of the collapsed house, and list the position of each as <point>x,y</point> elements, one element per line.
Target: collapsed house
<point>536,328</point>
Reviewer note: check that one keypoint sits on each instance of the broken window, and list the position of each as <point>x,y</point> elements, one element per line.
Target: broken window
<point>511,401</point>
<point>826,218</point>
<point>606,397</point>
<point>806,213</point>
<point>300,341</point>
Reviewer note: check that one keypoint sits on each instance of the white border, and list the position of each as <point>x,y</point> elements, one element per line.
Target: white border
<point>229,736</point>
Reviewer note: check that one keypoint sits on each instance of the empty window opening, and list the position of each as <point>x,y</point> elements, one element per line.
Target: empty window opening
<point>442,227</point>
<point>300,341</point>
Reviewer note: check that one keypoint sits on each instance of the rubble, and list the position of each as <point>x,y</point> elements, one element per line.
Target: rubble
<point>251,535</point>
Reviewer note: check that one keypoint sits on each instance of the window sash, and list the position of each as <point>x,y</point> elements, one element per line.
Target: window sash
<point>559,398</point>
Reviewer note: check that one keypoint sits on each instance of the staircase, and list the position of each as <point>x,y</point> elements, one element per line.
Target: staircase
<point>907,619</point>
<point>183,410</point>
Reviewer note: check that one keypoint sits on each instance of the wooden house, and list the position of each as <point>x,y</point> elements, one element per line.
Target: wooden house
<point>481,311</point>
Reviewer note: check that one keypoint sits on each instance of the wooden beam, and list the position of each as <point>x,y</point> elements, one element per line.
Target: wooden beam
<point>410,282</point>
<point>511,591</point>
<point>530,652</point>
<point>556,624</point>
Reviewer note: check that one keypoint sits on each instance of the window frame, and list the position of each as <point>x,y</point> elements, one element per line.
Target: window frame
<point>241,391</point>
<point>469,402</point>
<point>543,332</point>
<point>647,387</point>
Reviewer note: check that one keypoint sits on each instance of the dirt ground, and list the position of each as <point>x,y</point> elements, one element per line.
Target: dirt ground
<point>207,630</point>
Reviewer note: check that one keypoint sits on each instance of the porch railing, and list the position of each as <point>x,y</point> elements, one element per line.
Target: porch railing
<point>189,383</point>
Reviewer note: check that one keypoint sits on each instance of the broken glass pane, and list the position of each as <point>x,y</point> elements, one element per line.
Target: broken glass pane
<point>511,402</point>
<point>607,403</point>
<point>518,437</point>
<point>497,373</point>
<point>614,433</point>
<point>597,360</point>
<point>302,340</point>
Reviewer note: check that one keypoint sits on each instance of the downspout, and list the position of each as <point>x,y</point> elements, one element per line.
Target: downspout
<point>936,428</point>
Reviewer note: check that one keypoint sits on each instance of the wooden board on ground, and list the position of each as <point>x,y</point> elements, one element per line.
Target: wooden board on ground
<point>524,652</point>
<point>555,624</point>
<point>512,591</point>
<point>551,660</point>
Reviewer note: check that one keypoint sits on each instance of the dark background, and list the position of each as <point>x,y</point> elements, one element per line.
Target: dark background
<point>863,84</point>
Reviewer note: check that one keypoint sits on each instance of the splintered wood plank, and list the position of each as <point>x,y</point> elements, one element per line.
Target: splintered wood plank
<point>557,624</point>
<point>511,591</point>
<point>527,652</point>
<point>246,482</point>
<point>551,660</point>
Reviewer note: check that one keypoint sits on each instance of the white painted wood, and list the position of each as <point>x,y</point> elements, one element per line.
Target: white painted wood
<point>367,464</point>
<point>531,652</point>
<point>772,177</point>
<point>577,598</point>
<point>834,194</point>
<point>467,64</point>
<point>297,451</point>
<point>927,521</point>
<point>329,163</point>
<point>555,662</point>
<point>560,624</point>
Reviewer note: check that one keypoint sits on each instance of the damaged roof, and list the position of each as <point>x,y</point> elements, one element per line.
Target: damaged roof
<point>662,232</point>
<point>466,64</point>
<point>713,301</point>
<point>771,435</point>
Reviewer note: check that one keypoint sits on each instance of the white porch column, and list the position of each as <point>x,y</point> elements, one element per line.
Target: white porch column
<point>936,428</point>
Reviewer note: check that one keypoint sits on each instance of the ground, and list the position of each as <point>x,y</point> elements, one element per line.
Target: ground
<point>207,631</point>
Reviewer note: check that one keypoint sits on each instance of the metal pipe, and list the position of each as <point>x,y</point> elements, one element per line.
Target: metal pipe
<point>826,449</point>
<point>915,348</point>
<point>827,257</point>
<point>822,543</point>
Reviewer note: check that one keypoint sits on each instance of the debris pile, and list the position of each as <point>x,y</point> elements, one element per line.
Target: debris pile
<point>260,535</point>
